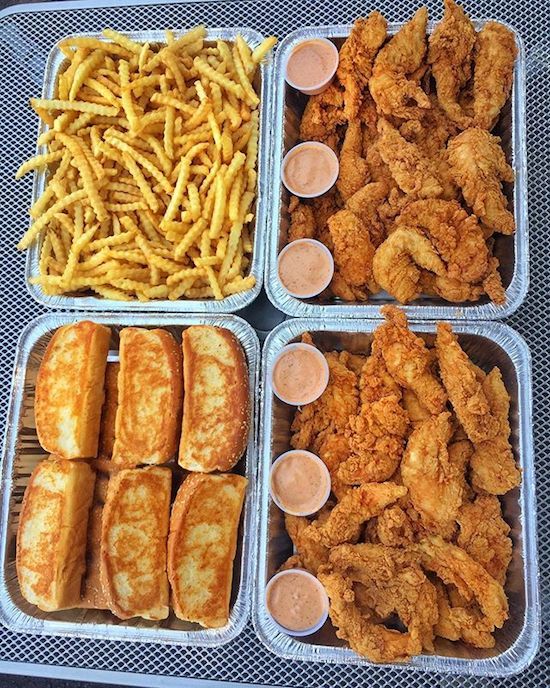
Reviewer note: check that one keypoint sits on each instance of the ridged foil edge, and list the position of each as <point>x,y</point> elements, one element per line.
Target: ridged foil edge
<point>17,620</point>
<point>522,652</point>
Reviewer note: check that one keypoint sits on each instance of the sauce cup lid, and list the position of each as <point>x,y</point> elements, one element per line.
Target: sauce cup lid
<point>325,372</point>
<point>318,245</point>
<point>326,150</point>
<point>324,82</point>
<point>320,586</point>
<point>324,470</point>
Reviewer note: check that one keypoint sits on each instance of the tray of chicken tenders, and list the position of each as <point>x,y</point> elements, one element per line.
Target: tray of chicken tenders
<point>127,478</point>
<point>400,169</point>
<point>396,495</point>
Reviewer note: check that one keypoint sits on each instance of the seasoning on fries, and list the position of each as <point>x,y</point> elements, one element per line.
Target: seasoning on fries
<point>151,153</point>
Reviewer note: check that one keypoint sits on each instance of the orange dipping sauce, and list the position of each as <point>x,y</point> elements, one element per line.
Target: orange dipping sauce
<point>296,600</point>
<point>305,268</point>
<point>300,482</point>
<point>300,374</point>
<point>312,64</point>
<point>310,169</point>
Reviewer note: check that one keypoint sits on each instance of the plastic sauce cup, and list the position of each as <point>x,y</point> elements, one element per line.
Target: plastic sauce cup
<point>319,587</point>
<point>324,474</point>
<point>319,56</point>
<point>324,159</point>
<point>307,267</point>
<point>305,394</point>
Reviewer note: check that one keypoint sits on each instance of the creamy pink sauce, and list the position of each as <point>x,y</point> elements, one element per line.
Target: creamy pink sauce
<point>295,602</point>
<point>310,63</point>
<point>309,170</point>
<point>298,375</point>
<point>304,269</point>
<point>299,483</point>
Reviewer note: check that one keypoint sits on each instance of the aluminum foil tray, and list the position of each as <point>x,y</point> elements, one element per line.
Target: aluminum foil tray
<point>488,344</point>
<point>22,452</point>
<point>512,251</point>
<point>229,304</point>
<point>27,33</point>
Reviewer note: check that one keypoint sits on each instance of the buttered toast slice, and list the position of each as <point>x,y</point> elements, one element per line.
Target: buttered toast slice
<point>216,404</point>
<point>51,538</point>
<point>69,390</point>
<point>133,543</point>
<point>201,546</point>
<point>149,397</point>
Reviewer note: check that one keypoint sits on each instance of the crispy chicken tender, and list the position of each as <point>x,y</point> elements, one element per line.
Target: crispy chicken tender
<point>353,167</point>
<point>454,566</point>
<point>465,390</point>
<point>392,582</point>
<point>493,465</point>
<point>484,535</point>
<point>453,290</point>
<point>492,284</point>
<point>353,249</point>
<point>311,554</point>
<point>478,166</point>
<point>323,115</point>
<point>408,359</point>
<point>394,85</point>
<point>434,482</point>
<point>418,413</point>
<point>393,528</point>
<point>356,507</point>
<point>302,220</point>
<point>397,262</point>
<point>456,236</point>
<point>450,56</point>
<point>365,636</point>
<point>356,59</point>
<point>324,207</point>
<point>432,132</point>
<point>412,171</point>
<point>365,203</point>
<point>496,53</point>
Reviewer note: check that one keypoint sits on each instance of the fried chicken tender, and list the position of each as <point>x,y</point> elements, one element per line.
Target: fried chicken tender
<point>353,249</point>
<point>408,359</point>
<point>311,554</point>
<point>418,413</point>
<point>323,115</point>
<point>392,582</point>
<point>324,207</point>
<point>454,566</point>
<point>302,220</point>
<point>434,482</point>
<point>365,203</point>
<point>353,167</point>
<point>493,465</point>
<point>478,165</point>
<point>356,507</point>
<point>432,132</point>
<point>356,60</point>
<point>465,390</point>
<point>397,262</point>
<point>456,236</point>
<point>365,636</point>
<point>393,84</point>
<point>453,290</point>
<point>412,171</point>
<point>450,56</point>
<point>492,284</point>
<point>393,528</point>
<point>496,53</point>
<point>484,535</point>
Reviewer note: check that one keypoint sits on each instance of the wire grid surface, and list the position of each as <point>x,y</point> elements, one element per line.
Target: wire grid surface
<point>25,40</point>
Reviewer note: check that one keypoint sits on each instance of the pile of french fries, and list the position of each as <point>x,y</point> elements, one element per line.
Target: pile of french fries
<point>152,153</point>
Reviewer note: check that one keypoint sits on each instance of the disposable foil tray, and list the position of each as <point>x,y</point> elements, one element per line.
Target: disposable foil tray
<point>229,304</point>
<point>511,251</point>
<point>22,452</point>
<point>488,344</point>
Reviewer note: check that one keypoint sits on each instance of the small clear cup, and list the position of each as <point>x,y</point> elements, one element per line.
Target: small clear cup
<point>325,373</point>
<point>325,80</point>
<point>318,246</point>
<point>326,151</point>
<point>322,468</point>
<point>324,616</point>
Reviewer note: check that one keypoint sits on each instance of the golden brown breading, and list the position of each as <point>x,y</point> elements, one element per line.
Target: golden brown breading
<point>353,173</point>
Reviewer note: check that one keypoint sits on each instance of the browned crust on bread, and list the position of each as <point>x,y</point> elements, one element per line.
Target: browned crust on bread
<point>108,412</point>
<point>134,534</point>
<point>149,398</point>
<point>216,405</point>
<point>51,537</point>
<point>69,385</point>
<point>201,546</point>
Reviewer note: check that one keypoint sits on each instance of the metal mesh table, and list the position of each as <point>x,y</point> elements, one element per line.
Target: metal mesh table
<point>25,37</point>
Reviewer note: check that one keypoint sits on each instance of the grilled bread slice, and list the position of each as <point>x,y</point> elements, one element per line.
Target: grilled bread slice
<point>133,543</point>
<point>216,404</point>
<point>201,546</point>
<point>51,538</point>
<point>69,390</point>
<point>149,398</point>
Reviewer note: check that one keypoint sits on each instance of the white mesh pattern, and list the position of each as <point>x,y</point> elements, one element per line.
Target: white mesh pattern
<point>24,43</point>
